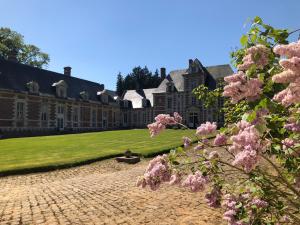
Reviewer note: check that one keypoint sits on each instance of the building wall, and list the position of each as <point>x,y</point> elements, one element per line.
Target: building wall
<point>30,121</point>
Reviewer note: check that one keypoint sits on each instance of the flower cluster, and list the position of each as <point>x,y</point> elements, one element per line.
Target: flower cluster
<point>288,143</point>
<point>177,117</point>
<point>186,142</point>
<point>213,198</point>
<point>206,128</point>
<point>196,182</point>
<point>220,139</point>
<point>158,171</point>
<point>161,121</point>
<point>236,204</point>
<point>246,145</point>
<point>295,127</point>
<point>175,179</point>
<point>257,55</point>
<point>239,87</point>
<point>290,74</point>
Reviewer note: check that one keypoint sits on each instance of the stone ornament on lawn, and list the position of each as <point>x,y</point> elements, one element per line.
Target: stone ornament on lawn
<point>128,158</point>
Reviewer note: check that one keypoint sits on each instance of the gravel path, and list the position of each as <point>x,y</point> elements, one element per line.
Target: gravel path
<point>99,193</point>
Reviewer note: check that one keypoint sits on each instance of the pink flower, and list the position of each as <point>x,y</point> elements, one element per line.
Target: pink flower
<point>295,127</point>
<point>165,119</point>
<point>198,147</point>
<point>206,128</point>
<point>214,197</point>
<point>257,55</point>
<point>161,121</point>
<point>239,87</point>
<point>177,117</point>
<point>290,74</point>
<point>288,143</point>
<point>158,171</point>
<point>290,50</point>
<point>175,179</point>
<point>220,139</point>
<point>186,142</point>
<point>155,128</point>
<point>213,155</point>
<point>196,182</point>
<point>246,146</point>
<point>259,203</point>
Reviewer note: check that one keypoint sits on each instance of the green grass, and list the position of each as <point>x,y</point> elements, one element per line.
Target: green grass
<point>26,154</point>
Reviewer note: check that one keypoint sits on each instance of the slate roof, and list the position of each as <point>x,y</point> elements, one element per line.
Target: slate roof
<point>219,71</point>
<point>14,76</point>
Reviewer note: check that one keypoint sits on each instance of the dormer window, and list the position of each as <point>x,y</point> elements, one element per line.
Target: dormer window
<point>84,95</point>
<point>170,87</point>
<point>33,87</point>
<point>103,96</point>
<point>61,88</point>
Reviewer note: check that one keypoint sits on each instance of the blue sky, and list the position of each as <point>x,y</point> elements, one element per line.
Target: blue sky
<point>99,38</point>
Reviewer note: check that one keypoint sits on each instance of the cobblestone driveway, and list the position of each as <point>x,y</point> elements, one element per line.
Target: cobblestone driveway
<point>100,193</point>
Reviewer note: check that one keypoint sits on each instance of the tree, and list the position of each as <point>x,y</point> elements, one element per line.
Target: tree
<point>13,42</point>
<point>120,84</point>
<point>139,78</point>
<point>251,167</point>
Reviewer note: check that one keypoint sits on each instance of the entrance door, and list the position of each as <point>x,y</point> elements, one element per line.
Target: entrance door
<point>193,120</point>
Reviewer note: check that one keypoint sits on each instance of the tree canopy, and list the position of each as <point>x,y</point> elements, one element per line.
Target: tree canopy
<point>139,78</point>
<point>13,42</point>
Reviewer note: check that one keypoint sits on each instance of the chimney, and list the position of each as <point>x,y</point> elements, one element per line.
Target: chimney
<point>12,56</point>
<point>163,73</point>
<point>101,87</point>
<point>67,70</point>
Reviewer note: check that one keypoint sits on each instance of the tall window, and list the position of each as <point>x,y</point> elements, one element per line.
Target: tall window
<point>125,118</point>
<point>75,116</point>
<point>193,100</point>
<point>94,119</point>
<point>20,110</point>
<point>44,112</point>
<point>60,109</point>
<point>169,103</point>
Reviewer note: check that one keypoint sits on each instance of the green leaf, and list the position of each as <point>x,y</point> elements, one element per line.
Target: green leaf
<point>257,20</point>
<point>244,40</point>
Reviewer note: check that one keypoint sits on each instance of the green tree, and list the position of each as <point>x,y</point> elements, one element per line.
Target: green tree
<point>12,41</point>
<point>120,84</point>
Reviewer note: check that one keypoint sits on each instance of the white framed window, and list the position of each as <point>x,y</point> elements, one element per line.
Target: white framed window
<point>20,110</point>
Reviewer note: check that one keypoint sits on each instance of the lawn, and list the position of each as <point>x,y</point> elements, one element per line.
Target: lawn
<point>55,151</point>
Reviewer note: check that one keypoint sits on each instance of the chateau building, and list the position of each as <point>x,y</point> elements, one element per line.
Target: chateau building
<point>35,101</point>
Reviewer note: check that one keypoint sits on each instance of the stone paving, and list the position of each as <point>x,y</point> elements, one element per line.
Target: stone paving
<point>99,193</point>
